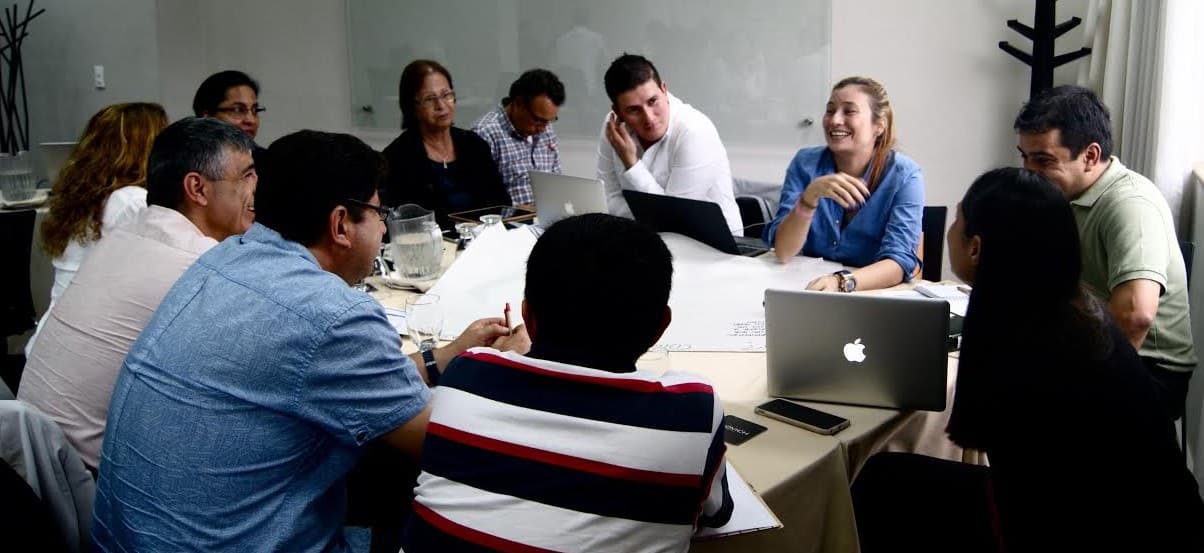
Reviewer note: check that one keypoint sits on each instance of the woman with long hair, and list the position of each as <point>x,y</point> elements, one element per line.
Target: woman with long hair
<point>102,185</point>
<point>855,200</point>
<point>1082,454</point>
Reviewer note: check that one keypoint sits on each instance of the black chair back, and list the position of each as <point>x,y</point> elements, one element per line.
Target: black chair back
<point>754,214</point>
<point>933,227</point>
<point>1188,249</point>
<point>16,237</point>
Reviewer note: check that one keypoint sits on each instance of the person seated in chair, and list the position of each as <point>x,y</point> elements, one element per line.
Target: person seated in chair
<point>571,447</point>
<point>1082,455</point>
<point>856,200</point>
<point>433,163</point>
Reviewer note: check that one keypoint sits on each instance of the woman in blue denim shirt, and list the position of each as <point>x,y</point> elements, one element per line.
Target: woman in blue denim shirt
<point>855,201</point>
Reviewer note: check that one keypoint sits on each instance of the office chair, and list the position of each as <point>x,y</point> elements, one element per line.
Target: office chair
<point>16,299</point>
<point>932,235</point>
<point>1188,249</point>
<point>754,214</point>
<point>16,237</point>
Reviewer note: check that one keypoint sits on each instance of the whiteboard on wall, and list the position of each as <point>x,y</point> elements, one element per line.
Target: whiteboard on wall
<point>758,69</point>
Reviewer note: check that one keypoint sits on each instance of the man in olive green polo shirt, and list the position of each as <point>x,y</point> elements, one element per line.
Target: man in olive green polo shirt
<point>1131,256</point>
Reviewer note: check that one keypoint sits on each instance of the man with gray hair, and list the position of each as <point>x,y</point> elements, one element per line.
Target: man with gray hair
<point>200,189</point>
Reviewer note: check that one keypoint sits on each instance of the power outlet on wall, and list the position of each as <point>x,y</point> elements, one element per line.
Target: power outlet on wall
<point>98,76</point>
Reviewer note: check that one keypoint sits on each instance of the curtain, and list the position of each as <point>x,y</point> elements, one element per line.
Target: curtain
<point>1147,65</point>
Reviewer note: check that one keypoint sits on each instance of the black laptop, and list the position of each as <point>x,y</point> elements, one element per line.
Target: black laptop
<point>700,220</point>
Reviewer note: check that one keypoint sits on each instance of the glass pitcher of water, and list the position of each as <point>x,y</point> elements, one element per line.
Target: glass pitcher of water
<point>416,242</point>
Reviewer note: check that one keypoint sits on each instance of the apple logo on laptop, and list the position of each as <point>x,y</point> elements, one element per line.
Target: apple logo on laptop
<point>855,351</point>
<point>568,208</point>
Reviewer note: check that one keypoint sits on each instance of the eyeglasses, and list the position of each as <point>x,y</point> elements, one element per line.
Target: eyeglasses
<point>430,101</point>
<point>381,210</point>
<point>243,111</point>
<point>540,120</point>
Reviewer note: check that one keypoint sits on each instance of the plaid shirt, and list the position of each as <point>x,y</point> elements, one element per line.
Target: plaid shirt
<point>515,154</point>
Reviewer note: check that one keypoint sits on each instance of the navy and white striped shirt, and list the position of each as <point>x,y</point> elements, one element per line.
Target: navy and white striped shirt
<point>524,454</point>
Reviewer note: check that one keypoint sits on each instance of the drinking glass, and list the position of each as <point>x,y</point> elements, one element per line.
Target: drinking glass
<point>424,320</point>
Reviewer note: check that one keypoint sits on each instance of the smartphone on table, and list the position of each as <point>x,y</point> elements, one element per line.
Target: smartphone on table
<point>802,416</point>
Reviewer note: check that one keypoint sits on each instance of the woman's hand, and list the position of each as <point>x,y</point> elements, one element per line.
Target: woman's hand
<point>826,283</point>
<point>844,189</point>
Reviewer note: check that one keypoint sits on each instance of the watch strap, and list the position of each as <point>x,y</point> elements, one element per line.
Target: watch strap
<point>432,368</point>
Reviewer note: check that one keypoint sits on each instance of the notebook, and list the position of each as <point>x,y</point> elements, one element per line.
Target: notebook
<point>697,219</point>
<point>560,196</point>
<point>860,349</point>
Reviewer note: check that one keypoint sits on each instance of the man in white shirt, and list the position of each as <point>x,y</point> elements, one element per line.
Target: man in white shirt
<point>653,142</point>
<point>200,189</point>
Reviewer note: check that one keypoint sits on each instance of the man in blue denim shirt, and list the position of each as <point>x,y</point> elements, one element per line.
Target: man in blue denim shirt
<point>252,391</point>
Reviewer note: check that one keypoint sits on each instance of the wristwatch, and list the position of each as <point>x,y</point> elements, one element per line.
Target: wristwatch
<point>845,281</point>
<point>432,368</point>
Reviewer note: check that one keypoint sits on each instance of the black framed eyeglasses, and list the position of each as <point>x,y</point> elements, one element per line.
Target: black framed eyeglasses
<point>381,210</point>
<point>240,110</point>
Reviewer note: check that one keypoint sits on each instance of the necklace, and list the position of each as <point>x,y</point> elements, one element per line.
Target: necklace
<point>437,154</point>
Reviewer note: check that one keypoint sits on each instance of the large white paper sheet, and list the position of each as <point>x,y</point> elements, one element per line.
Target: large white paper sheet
<point>717,299</point>
<point>487,275</point>
<point>749,512</point>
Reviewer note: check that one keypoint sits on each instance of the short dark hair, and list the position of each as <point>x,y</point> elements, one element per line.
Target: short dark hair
<point>627,72</point>
<point>1075,111</point>
<point>535,83</point>
<point>599,275</point>
<point>192,144</point>
<point>411,81</point>
<point>213,90</point>
<point>311,173</point>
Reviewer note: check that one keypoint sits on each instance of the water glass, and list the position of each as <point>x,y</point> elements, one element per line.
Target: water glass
<point>17,182</point>
<point>424,320</point>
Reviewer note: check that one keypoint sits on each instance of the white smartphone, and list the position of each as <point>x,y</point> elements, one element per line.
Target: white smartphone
<point>802,416</point>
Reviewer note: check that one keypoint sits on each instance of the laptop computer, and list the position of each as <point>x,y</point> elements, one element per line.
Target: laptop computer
<point>700,220</point>
<point>860,349</point>
<point>560,196</point>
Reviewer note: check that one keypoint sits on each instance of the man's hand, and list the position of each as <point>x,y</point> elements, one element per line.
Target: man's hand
<point>518,341</point>
<point>482,332</point>
<point>621,141</point>
<point>826,283</point>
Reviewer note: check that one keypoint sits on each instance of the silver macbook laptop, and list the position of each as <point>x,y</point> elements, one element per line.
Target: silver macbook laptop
<point>560,196</point>
<point>861,349</point>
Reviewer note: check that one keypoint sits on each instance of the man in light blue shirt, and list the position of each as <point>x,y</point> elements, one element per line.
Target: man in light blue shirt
<point>261,377</point>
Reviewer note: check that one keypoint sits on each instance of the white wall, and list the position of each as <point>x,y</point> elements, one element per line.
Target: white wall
<point>71,37</point>
<point>955,93</point>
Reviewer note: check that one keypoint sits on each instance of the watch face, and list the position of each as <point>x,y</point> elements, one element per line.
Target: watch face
<point>848,284</point>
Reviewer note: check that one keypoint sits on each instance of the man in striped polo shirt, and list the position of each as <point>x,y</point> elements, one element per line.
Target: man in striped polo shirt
<point>571,448</point>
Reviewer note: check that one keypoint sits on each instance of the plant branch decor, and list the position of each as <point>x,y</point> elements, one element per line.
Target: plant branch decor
<point>14,104</point>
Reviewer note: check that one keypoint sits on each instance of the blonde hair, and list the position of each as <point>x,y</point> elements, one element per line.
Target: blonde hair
<point>111,154</point>
<point>883,113</point>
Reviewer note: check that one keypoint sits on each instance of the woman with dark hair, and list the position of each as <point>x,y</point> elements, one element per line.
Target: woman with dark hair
<point>433,163</point>
<point>1082,456</point>
<point>855,200</point>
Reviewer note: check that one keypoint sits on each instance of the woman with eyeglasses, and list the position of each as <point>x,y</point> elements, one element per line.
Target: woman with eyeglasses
<point>433,163</point>
<point>232,96</point>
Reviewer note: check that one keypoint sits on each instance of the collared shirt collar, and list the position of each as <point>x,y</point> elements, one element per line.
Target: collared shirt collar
<point>508,125</point>
<point>1105,181</point>
<point>592,359</point>
<point>265,235</point>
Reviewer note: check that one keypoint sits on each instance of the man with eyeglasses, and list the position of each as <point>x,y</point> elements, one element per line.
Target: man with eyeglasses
<point>262,376</point>
<point>654,142</point>
<point>519,131</point>
<point>200,190</point>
